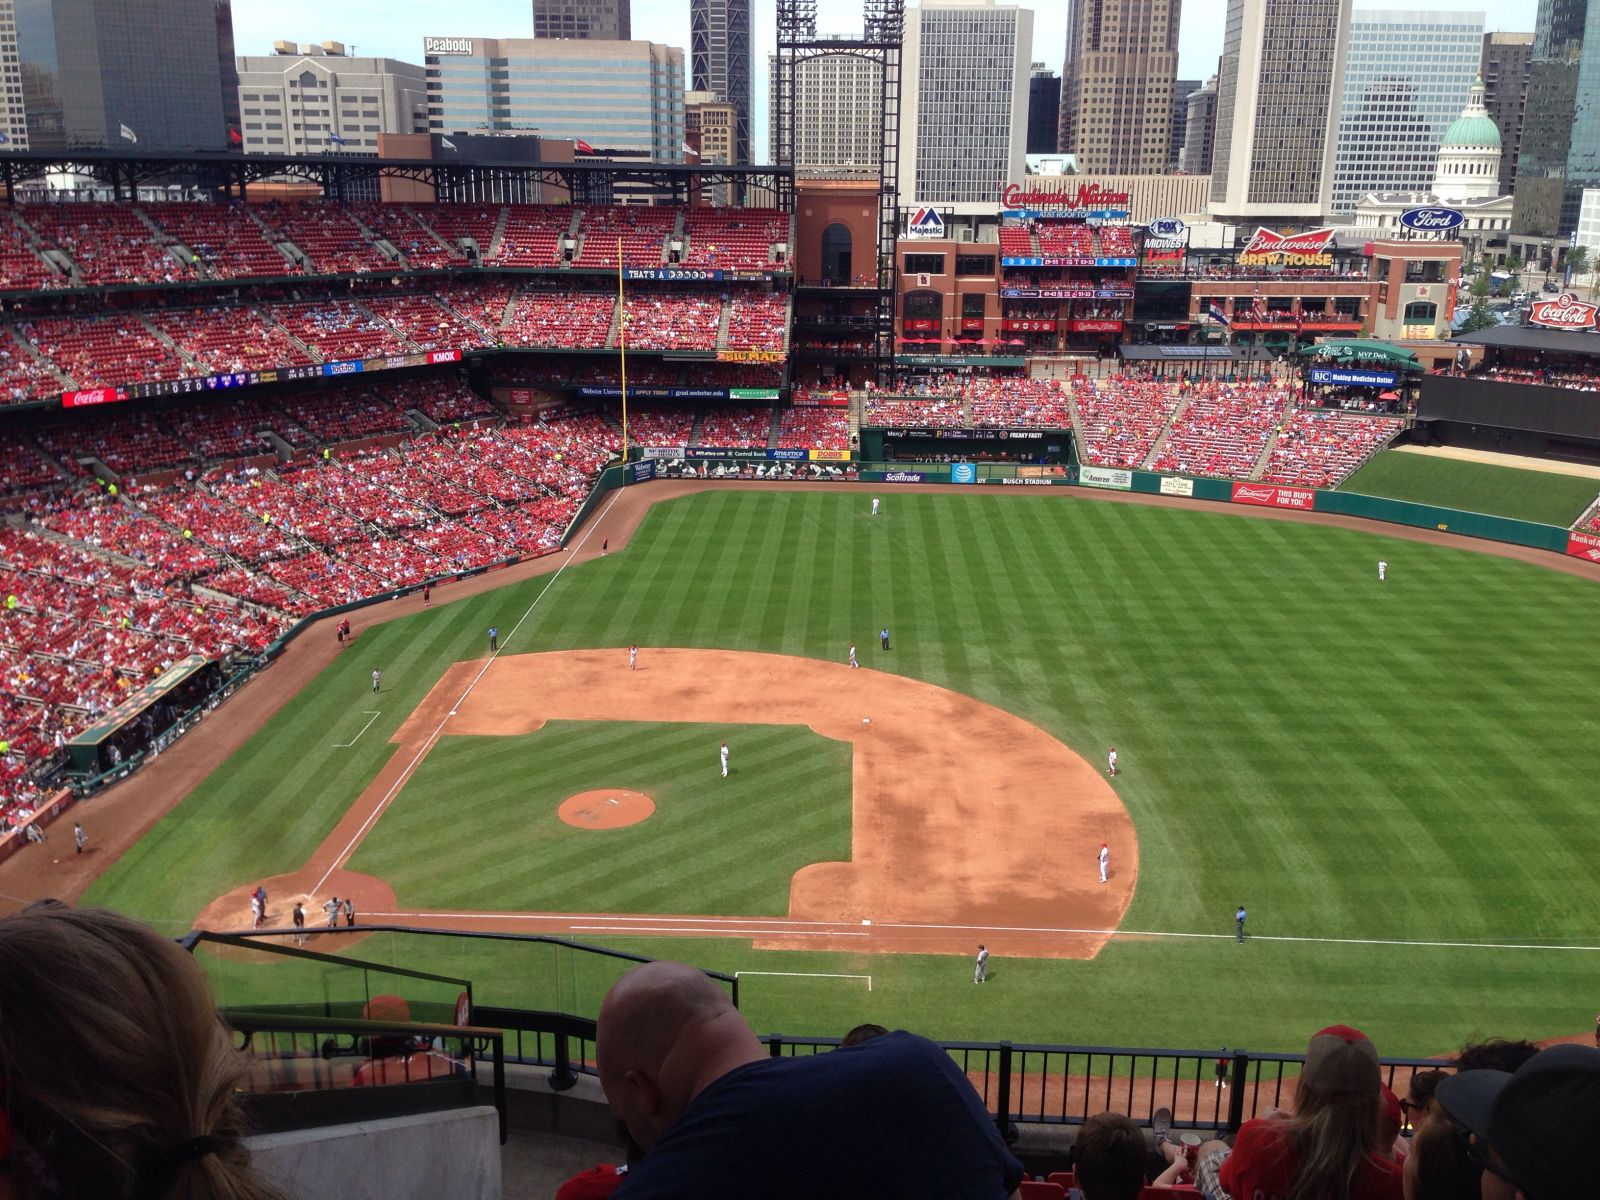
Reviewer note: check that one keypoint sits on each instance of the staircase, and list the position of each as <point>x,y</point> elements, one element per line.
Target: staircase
<point>1166,433</point>
<point>694,430</point>
<point>389,325</point>
<point>37,355</point>
<point>430,230</point>
<point>284,247</point>
<point>615,330</point>
<point>772,431</point>
<point>1272,442</point>
<point>172,345</point>
<point>722,325</point>
<point>499,236</point>
<point>511,307</point>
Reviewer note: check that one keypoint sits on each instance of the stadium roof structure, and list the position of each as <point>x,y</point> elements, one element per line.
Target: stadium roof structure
<point>1195,353</point>
<point>232,172</point>
<point>1531,337</point>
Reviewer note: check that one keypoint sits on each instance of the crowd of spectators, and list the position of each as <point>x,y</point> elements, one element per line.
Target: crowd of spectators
<point>757,320</point>
<point>102,351</point>
<point>22,268</point>
<point>1223,428</point>
<point>736,427</point>
<point>819,428</point>
<point>428,322</point>
<point>225,239</point>
<point>1576,378</point>
<point>229,339</point>
<point>1321,448</point>
<point>1120,419</point>
<point>570,320</point>
<point>672,321</point>
<point>1018,403</point>
<point>338,329</point>
<point>659,425</point>
<point>532,236</point>
<point>329,233</point>
<point>398,225</point>
<point>725,239</point>
<point>109,243</point>
<point>642,229</point>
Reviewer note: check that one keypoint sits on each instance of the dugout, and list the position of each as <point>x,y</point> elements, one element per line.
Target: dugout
<point>129,729</point>
<point>979,444</point>
<point>1506,404</point>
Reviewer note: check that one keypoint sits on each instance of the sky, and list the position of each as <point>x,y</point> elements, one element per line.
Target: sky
<point>395,28</point>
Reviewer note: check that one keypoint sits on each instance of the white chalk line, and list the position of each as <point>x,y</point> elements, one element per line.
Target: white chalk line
<point>438,729</point>
<point>798,927</point>
<point>364,728</point>
<point>803,975</point>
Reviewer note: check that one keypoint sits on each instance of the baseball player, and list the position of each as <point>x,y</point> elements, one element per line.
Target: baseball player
<point>255,910</point>
<point>1383,570</point>
<point>299,924</point>
<point>494,638</point>
<point>874,506</point>
<point>1105,860</point>
<point>633,658</point>
<point>854,665</point>
<point>427,594</point>
<point>1111,761</point>
<point>377,679</point>
<point>349,911</point>
<point>79,836</point>
<point>331,907</point>
<point>883,637</point>
<point>980,969</point>
<point>723,753</point>
<point>1238,925</point>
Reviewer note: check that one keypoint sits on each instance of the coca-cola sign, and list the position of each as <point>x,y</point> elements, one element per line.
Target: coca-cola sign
<point>1431,220</point>
<point>1088,196</point>
<point>1309,249</point>
<point>85,397</point>
<point>1566,311</point>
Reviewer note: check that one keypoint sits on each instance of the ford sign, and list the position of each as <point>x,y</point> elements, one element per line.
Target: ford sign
<point>1431,220</point>
<point>1167,227</point>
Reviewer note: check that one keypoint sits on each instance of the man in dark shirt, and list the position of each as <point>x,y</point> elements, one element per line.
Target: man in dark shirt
<point>892,1117</point>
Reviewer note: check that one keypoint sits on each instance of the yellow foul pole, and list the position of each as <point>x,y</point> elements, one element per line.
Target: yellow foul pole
<point>622,345</point>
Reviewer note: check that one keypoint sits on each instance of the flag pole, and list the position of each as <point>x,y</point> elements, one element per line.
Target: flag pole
<point>622,347</point>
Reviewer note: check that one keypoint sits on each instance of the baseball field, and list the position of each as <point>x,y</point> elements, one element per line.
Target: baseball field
<point>1393,778</point>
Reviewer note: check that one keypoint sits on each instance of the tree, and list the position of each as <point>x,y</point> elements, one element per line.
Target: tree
<point>1578,263</point>
<point>1479,315</point>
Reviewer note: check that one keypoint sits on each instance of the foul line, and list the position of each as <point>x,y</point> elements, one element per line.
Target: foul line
<point>357,738</point>
<point>719,930</point>
<point>438,729</point>
<point>803,975</point>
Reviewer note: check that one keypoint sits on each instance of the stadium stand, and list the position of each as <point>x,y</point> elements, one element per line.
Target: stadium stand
<point>338,329</point>
<point>398,225</point>
<point>733,239</point>
<point>819,428</point>
<point>668,321</point>
<point>1223,429</point>
<point>933,413</point>
<point>736,427</point>
<point>1323,447</point>
<point>756,320</point>
<point>453,222</point>
<point>329,234</point>
<point>347,413</point>
<point>22,469</point>
<point>643,232</point>
<point>23,376</point>
<point>484,303</point>
<point>225,238</point>
<point>125,443</point>
<point>440,400</point>
<point>1120,419</point>
<point>532,236</point>
<point>428,322</point>
<point>230,339</point>
<point>21,267</point>
<point>1018,403</point>
<point>107,523</point>
<point>105,351</point>
<point>652,425</point>
<point>1016,241</point>
<point>1065,239</point>
<point>109,243</point>
<point>576,320</point>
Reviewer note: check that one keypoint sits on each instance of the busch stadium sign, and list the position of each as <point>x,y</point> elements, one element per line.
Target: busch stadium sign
<point>1566,311</point>
<point>1268,249</point>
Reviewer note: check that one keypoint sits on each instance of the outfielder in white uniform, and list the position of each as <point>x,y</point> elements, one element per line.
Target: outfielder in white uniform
<point>980,969</point>
<point>853,663</point>
<point>1111,761</point>
<point>874,506</point>
<point>724,754</point>
<point>1383,570</point>
<point>633,658</point>
<point>1105,860</point>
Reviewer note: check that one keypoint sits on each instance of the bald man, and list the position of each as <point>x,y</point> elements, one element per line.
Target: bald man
<point>889,1118</point>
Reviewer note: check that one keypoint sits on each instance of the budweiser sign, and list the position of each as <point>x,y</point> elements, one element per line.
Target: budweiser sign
<point>1566,311</point>
<point>87,396</point>
<point>1308,249</point>
<point>1274,497</point>
<point>1088,195</point>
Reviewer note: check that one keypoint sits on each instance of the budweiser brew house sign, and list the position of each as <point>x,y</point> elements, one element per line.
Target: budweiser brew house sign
<point>1566,311</point>
<point>1268,249</point>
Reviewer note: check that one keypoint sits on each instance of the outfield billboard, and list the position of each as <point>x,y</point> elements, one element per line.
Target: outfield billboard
<point>1272,496</point>
<point>1106,477</point>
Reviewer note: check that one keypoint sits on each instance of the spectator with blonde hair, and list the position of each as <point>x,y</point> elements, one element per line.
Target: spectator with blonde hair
<point>117,1079</point>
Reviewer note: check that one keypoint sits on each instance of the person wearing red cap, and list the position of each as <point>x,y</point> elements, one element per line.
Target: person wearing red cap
<point>1329,1148</point>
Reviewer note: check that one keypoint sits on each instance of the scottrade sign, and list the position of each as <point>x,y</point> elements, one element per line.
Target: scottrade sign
<point>1431,220</point>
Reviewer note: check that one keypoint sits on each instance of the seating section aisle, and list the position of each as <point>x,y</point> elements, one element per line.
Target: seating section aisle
<point>224,237</point>
<point>23,376</point>
<point>329,234</point>
<point>533,236</point>
<point>20,264</point>
<point>1321,448</point>
<point>1119,419</point>
<point>452,222</point>
<point>1223,429</point>
<point>235,338</point>
<point>338,329</point>
<point>734,239</point>
<point>427,323</point>
<point>398,225</point>
<point>109,243</point>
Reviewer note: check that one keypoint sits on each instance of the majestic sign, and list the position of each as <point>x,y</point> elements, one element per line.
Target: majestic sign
<point>1088,196</point>
<point>447,45</point>
<point>1169,228</point>
<point>1431,220</point>
<point>924,222</point>
<point>1268,249</point>
<point>1566,311</point>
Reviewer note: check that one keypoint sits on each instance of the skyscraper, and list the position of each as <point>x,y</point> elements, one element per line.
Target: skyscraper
<point>1506,58</point>
<point>13,113</point>
<point>1117,84</point>
<point>608,20</point>
<point>1406,79</point>
<point>1181,91</point>
<point>1561,131</point>
<point>91,69</point>
<point>1200,129</point>
<point>720,58</point>
<point>838,109</point>
<point>353,99</point>
<point>964,100</point>
<point>1278,91</point>
<point>1044,110</point>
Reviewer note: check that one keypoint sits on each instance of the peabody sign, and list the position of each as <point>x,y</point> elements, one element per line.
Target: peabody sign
<point>1566,311</point>
<point>447,45</point>
<point>1268,249</point>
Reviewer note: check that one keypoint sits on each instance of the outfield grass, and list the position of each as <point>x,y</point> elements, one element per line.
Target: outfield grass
<point>1475,487</point>
<point>736,844</point>
<point>1353,761</point>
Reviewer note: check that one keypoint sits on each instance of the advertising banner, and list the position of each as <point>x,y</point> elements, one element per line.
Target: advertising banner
<point>1584,545</point>
<point>1045,472</point>
<point>1014,325</point>
<point>1106,477</point>
<point>521,397</point>
<point>753,394</point>
<point>1097,326</point>
<point>1271,496</point>
<point>1566,311</point>
<point>86,397</point>
<point>1352,378</point>
<point>1088,197</point>
<point>439,356</point>
<point>739,452</point>
<point>1176,487</point>
<point>830,455</point>
<point>672,274</point>
<point>1269,249</point>
<point>642,471</point>
<point>609,391</point>
<point>822,400</point>
<point>1028,481</point>
<point>963,473</point>
<point>750,356</point>
<point>903,477</point>
<point>664,452</point>
<point>920,325</point>
<point>348,367</point>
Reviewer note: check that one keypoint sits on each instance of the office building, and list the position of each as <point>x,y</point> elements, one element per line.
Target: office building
<point>591,20</point>
<point>1278,90</point>
<point>1504,67</point>
<point>1044,110</point>
<point>1200,129</point>
<point>721,59</point>
<point>13,113</point>
<point>1181,91</point>
<point>1407,74</point>
<point>963,100</point>
<point>315,99</point>
<point>1561,129</point>
<point>157,69</point>
<point>837,113</point>
<point>632,92</point>
<point>1117,84</point>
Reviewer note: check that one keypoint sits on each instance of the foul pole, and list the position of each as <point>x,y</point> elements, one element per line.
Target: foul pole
<point>622,347</point>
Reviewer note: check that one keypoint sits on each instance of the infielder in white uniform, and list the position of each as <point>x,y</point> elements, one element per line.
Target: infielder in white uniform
<point>1383,570</point>
<point>724,754</point>
<point>633,658</point>
<point>853,663</point>
<point>1105,860</point>
<point>1111,761</point>
<point>874,506</point>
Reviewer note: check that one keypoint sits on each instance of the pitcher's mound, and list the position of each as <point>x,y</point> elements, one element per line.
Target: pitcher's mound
<point>607,808</point>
